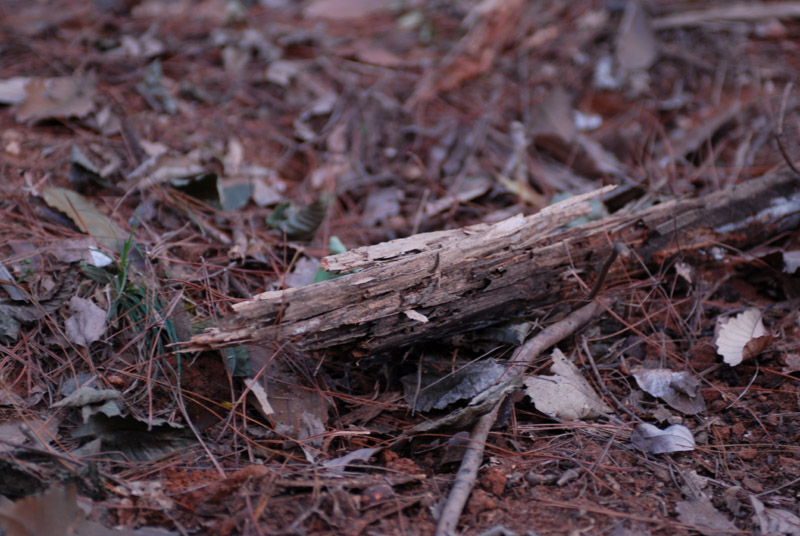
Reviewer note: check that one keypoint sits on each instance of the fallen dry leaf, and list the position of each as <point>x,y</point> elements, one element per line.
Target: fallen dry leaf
<point>775,521</point>
<point>735,333</point>
<point>675,438</point>
<point>31,432</point>
<point>740,11</point>
<point>555,132</point>
<point>261,396</point>
<point>85,396</point>
<point>347,9</point>
<point>791,261</point>
<point>297,413</point>
<point>704,518</point>
<point>637,45</point>
<point>176,169</point>
<point>87,323</point>
<point>337,466</point>
<point>565,395</point>
<point>437,391</point>
<point>53,512</point>
<point>85,215</point>
<point>678,389</point>
<point>57,98</point>
<point>491,27</point>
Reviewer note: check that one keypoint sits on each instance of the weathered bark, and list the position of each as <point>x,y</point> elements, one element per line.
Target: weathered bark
<point>435,284</point>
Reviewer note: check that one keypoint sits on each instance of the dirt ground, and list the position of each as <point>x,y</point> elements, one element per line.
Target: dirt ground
<point>147,149</point>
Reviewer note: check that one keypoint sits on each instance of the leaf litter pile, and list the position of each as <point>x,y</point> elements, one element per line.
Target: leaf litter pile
<point>377,267</point>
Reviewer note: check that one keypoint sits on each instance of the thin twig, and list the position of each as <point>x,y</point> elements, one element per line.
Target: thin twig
<point>553,334</point>
<point>745,390</point>
<point>619,248</point>
<point>178,391</point>
<point>467,473</point>
<point>519,361</point>
<point>601,384</point>
<point>779,128</point>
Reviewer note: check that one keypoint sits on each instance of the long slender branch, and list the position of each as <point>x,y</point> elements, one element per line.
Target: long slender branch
<point>467,473</point>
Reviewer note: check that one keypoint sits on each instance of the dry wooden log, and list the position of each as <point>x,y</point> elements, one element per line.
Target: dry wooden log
<point>436,284</point>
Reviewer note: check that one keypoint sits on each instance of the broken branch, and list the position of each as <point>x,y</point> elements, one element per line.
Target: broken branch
<point>437,284</point>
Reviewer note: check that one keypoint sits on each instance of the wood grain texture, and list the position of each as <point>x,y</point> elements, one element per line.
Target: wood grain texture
<point>480,275</point>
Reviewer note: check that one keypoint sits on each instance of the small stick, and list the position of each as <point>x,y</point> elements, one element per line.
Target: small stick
<point>602,384</point>
<point>519,361</point>
<point>779,129</point>
<point>619,248</point>
<point>467,473</point>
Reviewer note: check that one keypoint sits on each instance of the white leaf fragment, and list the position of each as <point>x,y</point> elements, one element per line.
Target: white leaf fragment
<point>735,333</point>
<point>417,316</point>
<point>791,261</point>
<point>337,466</point>
<point>12,90</point>
<point>675,438</point>
<point>261,395</point>
<point>565,395</point>
<point>98,258</point>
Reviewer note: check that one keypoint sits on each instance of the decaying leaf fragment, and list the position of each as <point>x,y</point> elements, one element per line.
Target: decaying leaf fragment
<point>57,98</point>
<point>701,515</point>
<point>85,215</point>
<point>637,44</point>
<point>434,391</point>
<point>678,389</point>
<point>52,512</point>
<point>565,395</point>
<point>87,324</point>
<point>775,520</point>
<point>675,438</point>
<point>301,224</point>
<point>735,334</point>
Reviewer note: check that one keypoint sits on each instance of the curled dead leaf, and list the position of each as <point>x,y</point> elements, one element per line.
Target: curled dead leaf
<point>735,334</point>
<point>675,438</point>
